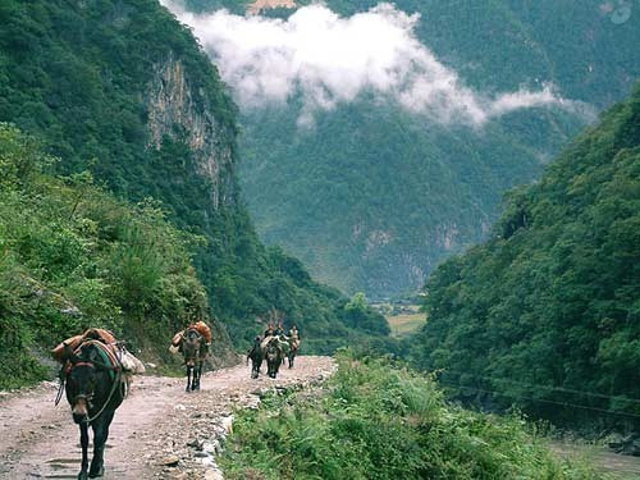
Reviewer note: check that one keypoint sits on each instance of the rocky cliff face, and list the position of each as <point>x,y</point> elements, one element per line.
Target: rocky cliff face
<point>178,110</point>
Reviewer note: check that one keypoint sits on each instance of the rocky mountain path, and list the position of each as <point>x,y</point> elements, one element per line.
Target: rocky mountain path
<point>160,431</point>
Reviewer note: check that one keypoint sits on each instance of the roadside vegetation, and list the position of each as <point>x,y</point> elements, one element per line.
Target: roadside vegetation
<point>379,420</point>
<point>73,256</point>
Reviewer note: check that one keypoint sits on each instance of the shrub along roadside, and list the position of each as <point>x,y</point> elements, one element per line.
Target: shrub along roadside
<point>377,420</point>
<point>72,256</point>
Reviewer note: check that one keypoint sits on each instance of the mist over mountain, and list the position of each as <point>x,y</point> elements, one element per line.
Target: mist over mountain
<point>379,139</point>
<point>329,60</point>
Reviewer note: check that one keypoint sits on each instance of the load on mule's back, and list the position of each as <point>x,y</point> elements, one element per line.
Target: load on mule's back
<point>95,373</point>
<point>193,342</point>
<point>274,355</point>
<point>273,347</point>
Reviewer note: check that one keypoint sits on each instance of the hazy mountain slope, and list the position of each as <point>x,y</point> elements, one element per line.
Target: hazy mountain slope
<point>547,310</point>
<point>372,197</point>
<point>369,198</point>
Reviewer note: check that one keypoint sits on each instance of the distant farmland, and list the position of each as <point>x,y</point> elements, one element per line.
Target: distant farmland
<point>406,322</point>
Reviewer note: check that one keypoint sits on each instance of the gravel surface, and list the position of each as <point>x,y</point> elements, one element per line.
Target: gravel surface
<point>159,431</point>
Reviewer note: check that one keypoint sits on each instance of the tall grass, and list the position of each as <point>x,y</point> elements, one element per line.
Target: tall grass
<point>378,420</point>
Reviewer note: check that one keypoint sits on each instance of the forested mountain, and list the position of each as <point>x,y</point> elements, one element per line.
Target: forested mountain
<point>370,200</point>
<point>546,313</point>
<point>121,91</point>
<point>373,197</point>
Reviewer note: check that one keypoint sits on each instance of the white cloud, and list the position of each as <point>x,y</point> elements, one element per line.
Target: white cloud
<point>330,59</point>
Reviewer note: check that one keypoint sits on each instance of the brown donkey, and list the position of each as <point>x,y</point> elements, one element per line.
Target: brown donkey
<point>194,352</point>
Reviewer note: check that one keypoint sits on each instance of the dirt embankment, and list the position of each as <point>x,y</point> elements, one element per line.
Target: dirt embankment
<point>159,431</point>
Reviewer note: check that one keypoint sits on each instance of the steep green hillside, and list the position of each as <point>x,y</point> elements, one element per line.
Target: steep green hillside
<point>546,313</point>
<point>72,256</point>
<point>372,198</point>
<point>120,89</point>
<point>376,420</point>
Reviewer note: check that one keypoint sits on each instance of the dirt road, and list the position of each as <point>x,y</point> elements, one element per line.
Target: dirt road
<point>159,431</point>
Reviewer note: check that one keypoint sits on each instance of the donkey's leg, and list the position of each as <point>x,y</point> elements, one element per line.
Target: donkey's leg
<point>196,376</point>
<point>188,389</point>
<point>84,443</point>
<point>100,435</point>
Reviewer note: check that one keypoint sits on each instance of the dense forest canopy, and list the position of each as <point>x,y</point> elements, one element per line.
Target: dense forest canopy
<point>546,312</point>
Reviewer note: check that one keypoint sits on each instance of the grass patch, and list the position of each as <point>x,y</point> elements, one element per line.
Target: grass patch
<point>403,324</point>
<point>378,420</point>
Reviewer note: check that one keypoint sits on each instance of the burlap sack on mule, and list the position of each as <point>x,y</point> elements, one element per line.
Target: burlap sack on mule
<point>105,336</point>
<point>204,330</point>
<point>129,362</point>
